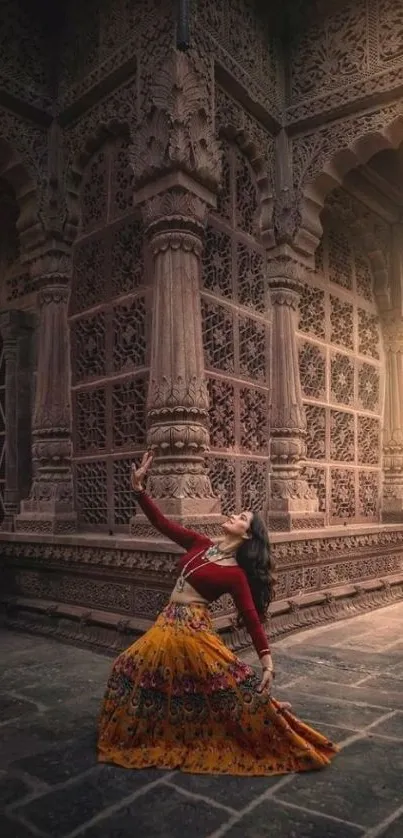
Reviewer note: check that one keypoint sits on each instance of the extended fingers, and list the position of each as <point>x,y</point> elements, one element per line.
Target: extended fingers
<point>265,682</point>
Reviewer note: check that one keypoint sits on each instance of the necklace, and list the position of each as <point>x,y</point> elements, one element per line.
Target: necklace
<point>211,554</point>
<point>180,582</point>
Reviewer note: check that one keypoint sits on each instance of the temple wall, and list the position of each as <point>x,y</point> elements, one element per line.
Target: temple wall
<point>128,168</point>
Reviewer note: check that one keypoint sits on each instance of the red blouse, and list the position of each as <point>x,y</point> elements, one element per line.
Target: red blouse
<point>210,580</point>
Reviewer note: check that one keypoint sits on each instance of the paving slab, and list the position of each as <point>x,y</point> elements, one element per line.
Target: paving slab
<point>365,785</point>
<point>273,820</point>
<point>346,679</point>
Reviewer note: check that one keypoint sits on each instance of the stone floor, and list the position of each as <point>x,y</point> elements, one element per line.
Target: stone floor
<point>347,679</point>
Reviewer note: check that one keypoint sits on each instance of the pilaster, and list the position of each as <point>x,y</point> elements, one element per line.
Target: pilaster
<point>16,331</point>
<point>50,506</point>
<point>292,502</point>
<point>392,503</point>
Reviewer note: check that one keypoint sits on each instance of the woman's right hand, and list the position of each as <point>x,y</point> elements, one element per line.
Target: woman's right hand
<point>138,474</point>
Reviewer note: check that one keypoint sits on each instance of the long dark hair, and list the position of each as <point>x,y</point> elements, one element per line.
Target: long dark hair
<point>254,557</point>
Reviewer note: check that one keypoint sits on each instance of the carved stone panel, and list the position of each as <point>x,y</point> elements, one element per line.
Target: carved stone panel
<point>236,333</point>
<point>110,344</point>
<point>341,367</point>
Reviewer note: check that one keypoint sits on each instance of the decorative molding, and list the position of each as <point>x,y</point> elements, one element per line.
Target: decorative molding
<point>255,69</point>
<point>110,634</point>
<point>145,530</point>
<point>297,552</point>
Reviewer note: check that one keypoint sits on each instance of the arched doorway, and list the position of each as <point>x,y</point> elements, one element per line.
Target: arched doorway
<point>353,296</point>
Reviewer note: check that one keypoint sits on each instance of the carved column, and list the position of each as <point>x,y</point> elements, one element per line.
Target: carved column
<point>16,328</point>
<point>293,504</point>
<point>392,505</point>
<point>178,398</point>
<point>50,504</point>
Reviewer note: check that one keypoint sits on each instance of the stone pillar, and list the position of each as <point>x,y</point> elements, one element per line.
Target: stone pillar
<point>49,508</point>
<point>392,504</point>
<point>176,160</point>
<point>15,329</point>
<point>178,398</point>
<point>293,504</point>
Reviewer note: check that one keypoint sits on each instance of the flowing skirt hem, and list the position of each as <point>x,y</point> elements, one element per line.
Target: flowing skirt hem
<point>192,764</point>
<point>179,699</point>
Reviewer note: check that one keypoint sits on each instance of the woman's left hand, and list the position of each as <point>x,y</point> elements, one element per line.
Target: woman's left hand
<point>267,680</point>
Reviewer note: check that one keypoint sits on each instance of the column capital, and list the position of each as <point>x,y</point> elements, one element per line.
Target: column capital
<point>286,270</point>
<point>57,294</point>
<point>51,265</point>
<point>286,277</point>
<point>173,207</point>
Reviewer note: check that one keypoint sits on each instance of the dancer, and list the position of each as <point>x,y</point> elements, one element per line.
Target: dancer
<point>178,697</point>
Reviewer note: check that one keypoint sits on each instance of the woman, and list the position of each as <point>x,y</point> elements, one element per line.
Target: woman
<point>178,698</point>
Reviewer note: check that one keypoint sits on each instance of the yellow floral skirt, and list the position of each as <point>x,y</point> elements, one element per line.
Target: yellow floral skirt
<point>178,698</point>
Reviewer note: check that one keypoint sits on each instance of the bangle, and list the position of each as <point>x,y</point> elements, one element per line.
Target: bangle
<point>264,652</point>
<point>267,669</point>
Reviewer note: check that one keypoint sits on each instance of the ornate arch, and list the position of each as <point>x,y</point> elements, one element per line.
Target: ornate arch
<point>233,123</point>
<point>322,158</point>
<point>373,234</point>
<point>79,155</point>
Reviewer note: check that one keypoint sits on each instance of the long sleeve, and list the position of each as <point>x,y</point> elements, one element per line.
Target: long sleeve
<point>244,602</point>
<point>182,536</point>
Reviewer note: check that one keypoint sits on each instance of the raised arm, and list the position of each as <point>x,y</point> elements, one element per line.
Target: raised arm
<point>182,536</point>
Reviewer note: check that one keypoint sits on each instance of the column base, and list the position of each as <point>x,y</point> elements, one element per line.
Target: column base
<point>11,509</point>
<point>7,524</point>
<point>395,517</point>
<point>57,523</point>
<point>393,513</point>
<point>288,521</point>
<point>200,514</point>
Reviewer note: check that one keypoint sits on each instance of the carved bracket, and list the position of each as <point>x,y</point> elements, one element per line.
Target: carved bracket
<point>176,132</point>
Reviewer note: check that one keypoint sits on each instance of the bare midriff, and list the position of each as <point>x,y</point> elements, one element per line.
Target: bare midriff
<point>187,596</point>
